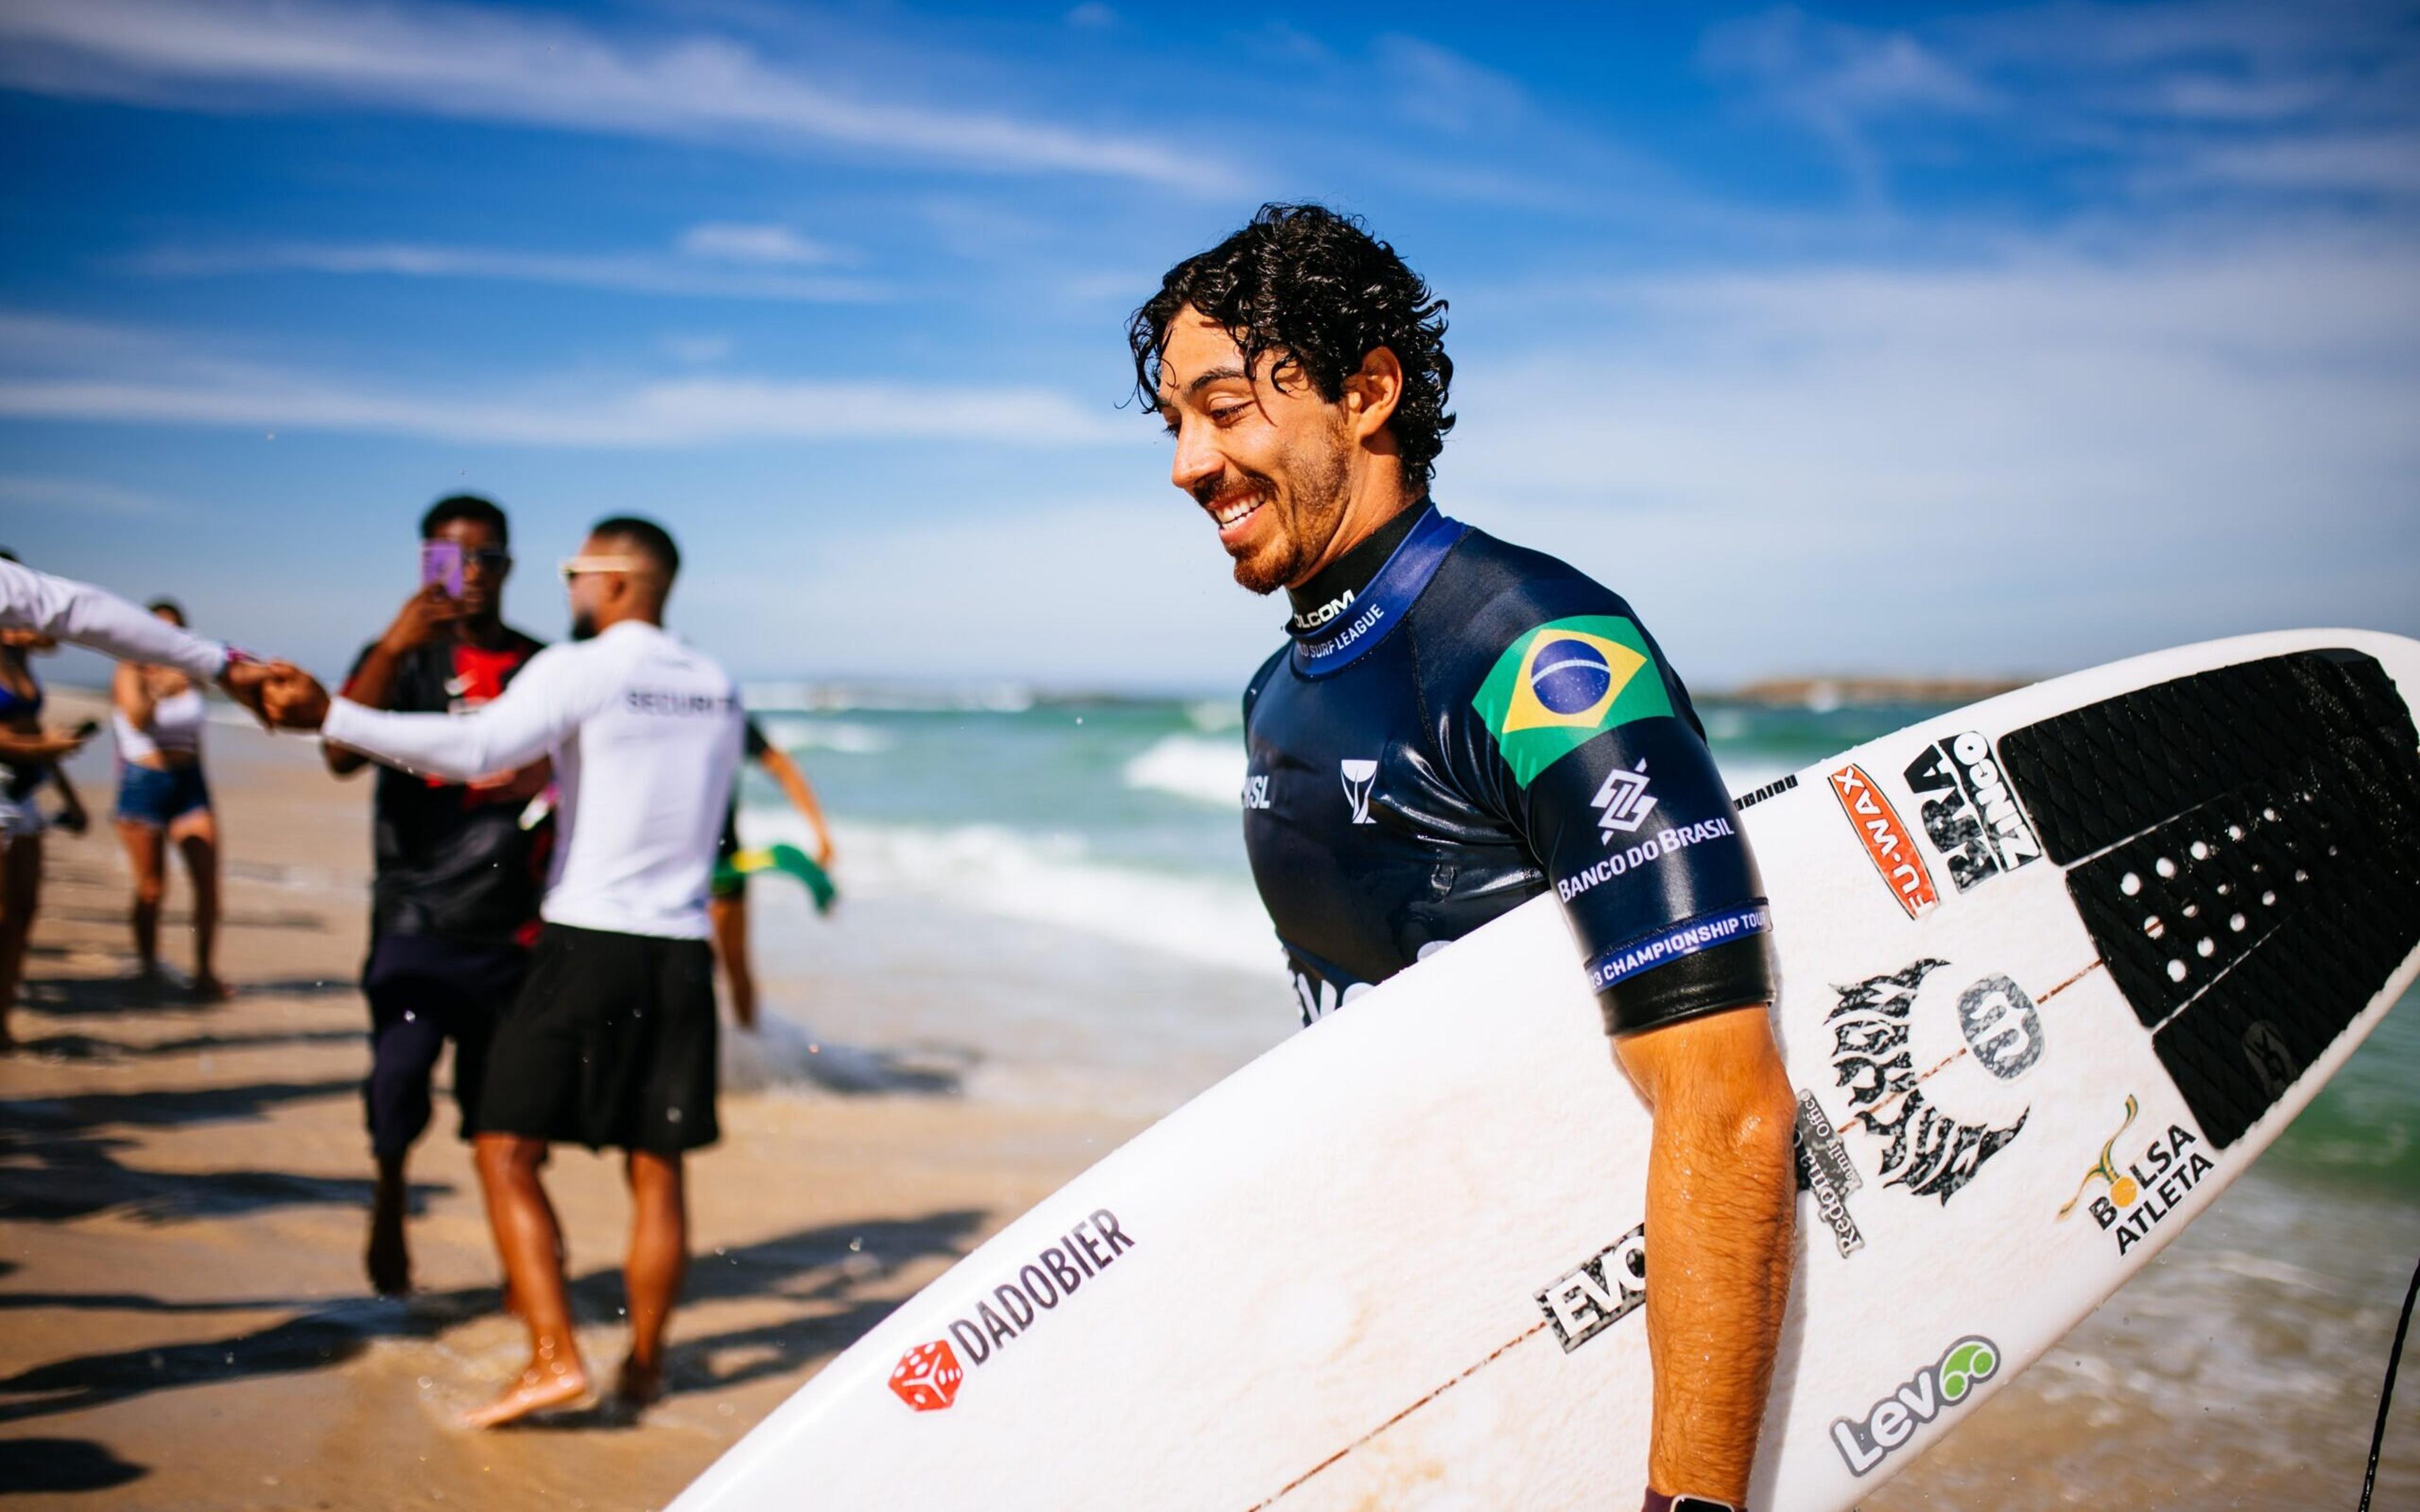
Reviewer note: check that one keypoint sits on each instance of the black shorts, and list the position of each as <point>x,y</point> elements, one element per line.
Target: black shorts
<point>423,991</point>
<point>612,1041</point>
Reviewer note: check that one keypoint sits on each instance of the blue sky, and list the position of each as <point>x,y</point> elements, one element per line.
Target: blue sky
<point>1894,340</point>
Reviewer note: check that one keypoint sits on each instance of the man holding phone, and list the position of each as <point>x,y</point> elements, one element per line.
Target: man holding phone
<point>454,905</point>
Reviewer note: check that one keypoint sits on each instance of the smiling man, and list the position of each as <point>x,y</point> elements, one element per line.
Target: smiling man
<point>1458,725</point>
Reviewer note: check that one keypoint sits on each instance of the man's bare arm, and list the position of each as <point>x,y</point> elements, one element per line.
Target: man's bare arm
<point>1721,1207</point>
<point>372,685</point>
<point>802,797</point>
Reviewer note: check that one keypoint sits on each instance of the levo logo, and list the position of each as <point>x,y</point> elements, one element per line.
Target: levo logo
<point>927,1376</point>
<point>1867,1441</point>
<point>1887,844</point>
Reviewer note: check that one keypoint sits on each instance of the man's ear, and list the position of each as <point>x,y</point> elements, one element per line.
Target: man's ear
<point>1372,392</point>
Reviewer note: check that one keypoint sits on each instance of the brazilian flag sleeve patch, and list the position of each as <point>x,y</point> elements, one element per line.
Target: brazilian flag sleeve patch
<point>1565,683</point>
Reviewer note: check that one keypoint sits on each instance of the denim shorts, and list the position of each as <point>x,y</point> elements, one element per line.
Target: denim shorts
<point>148,795</point>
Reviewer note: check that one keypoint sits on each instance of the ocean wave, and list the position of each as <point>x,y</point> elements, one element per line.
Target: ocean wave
<point>849,740</point>
<point>1205,771</point>
<point>1047,879</point>
<point>1210,716</point>
<point>888,697</point>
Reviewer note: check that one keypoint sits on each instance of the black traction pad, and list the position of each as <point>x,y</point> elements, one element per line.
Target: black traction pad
<point>2249,841</point>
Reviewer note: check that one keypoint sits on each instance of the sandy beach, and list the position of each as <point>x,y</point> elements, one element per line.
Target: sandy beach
<point>182,1200</point>
<point>183,1193</point>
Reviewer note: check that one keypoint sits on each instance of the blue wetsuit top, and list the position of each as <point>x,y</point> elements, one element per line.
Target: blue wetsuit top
<point>1474,726</point>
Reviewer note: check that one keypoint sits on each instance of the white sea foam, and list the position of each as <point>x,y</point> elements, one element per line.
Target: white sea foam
<point>889,698</point>
<point>848,738</point>
<point>1206,771</point>
<point>1210,716</point>
<point>1046,879</point>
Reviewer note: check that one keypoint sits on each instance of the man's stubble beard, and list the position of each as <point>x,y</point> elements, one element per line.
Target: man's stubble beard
<point>1310,509</point>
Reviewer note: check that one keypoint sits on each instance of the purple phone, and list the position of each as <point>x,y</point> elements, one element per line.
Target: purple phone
<point>441,561</point>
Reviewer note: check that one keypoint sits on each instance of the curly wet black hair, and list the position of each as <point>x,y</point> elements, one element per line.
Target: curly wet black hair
<point>1317,290</point>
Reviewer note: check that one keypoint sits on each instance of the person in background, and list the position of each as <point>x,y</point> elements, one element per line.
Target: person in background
<point>454,899</point>
<point>29,758</point>
<point>611,1040</point>
<point>157,718</point>
<point>728,907</point>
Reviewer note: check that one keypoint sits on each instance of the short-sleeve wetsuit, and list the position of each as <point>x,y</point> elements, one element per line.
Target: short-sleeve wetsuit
<point>1466,726</point>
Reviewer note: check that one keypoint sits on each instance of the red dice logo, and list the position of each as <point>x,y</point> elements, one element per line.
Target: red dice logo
<point>927,1377</point>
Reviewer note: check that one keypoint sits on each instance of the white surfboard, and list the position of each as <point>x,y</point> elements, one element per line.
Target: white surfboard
<point>2054,970</point>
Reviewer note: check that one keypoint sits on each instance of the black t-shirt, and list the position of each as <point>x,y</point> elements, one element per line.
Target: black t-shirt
<point>452,860</point>
<point>1476,725</point>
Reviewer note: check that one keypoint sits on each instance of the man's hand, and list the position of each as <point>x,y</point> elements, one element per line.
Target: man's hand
<point>243,681</point>
<point>1721,1208</point>
<point>292,699</point>
<point>422,615</point>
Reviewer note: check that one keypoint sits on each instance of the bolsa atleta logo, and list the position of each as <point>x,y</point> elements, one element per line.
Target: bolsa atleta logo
<point>2140,1198</point>
<point>1867,1441</point>
<point>1560,686</point>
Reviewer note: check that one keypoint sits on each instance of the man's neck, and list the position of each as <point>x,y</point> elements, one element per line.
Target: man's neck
<point>648,617</point>
<point>1322,597</point>
<point>487,632</point>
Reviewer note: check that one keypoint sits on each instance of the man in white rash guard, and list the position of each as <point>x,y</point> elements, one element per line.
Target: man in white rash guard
<point>612,1039</point>
<point>82,615</point>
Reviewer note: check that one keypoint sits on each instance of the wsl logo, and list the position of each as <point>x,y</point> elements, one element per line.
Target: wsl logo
<point>1623,801</point>
<point>1256,790</point>
<point>1359,777</point>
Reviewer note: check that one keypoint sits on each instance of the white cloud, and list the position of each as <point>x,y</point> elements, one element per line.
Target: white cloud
<point>771,245</point>
<point>697,350</point>
<point>87,496</point>
<point>500,66</point>
<point>2038,463</point>
<point>701,275</point>
<point>1435,87</point>
<point>2381,162</point>
<point>112,375</point>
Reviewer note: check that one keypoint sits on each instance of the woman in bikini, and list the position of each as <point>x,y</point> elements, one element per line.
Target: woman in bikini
<point>163,799</point>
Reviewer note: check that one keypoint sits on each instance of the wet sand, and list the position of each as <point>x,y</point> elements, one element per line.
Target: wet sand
<point>184,1321</point>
